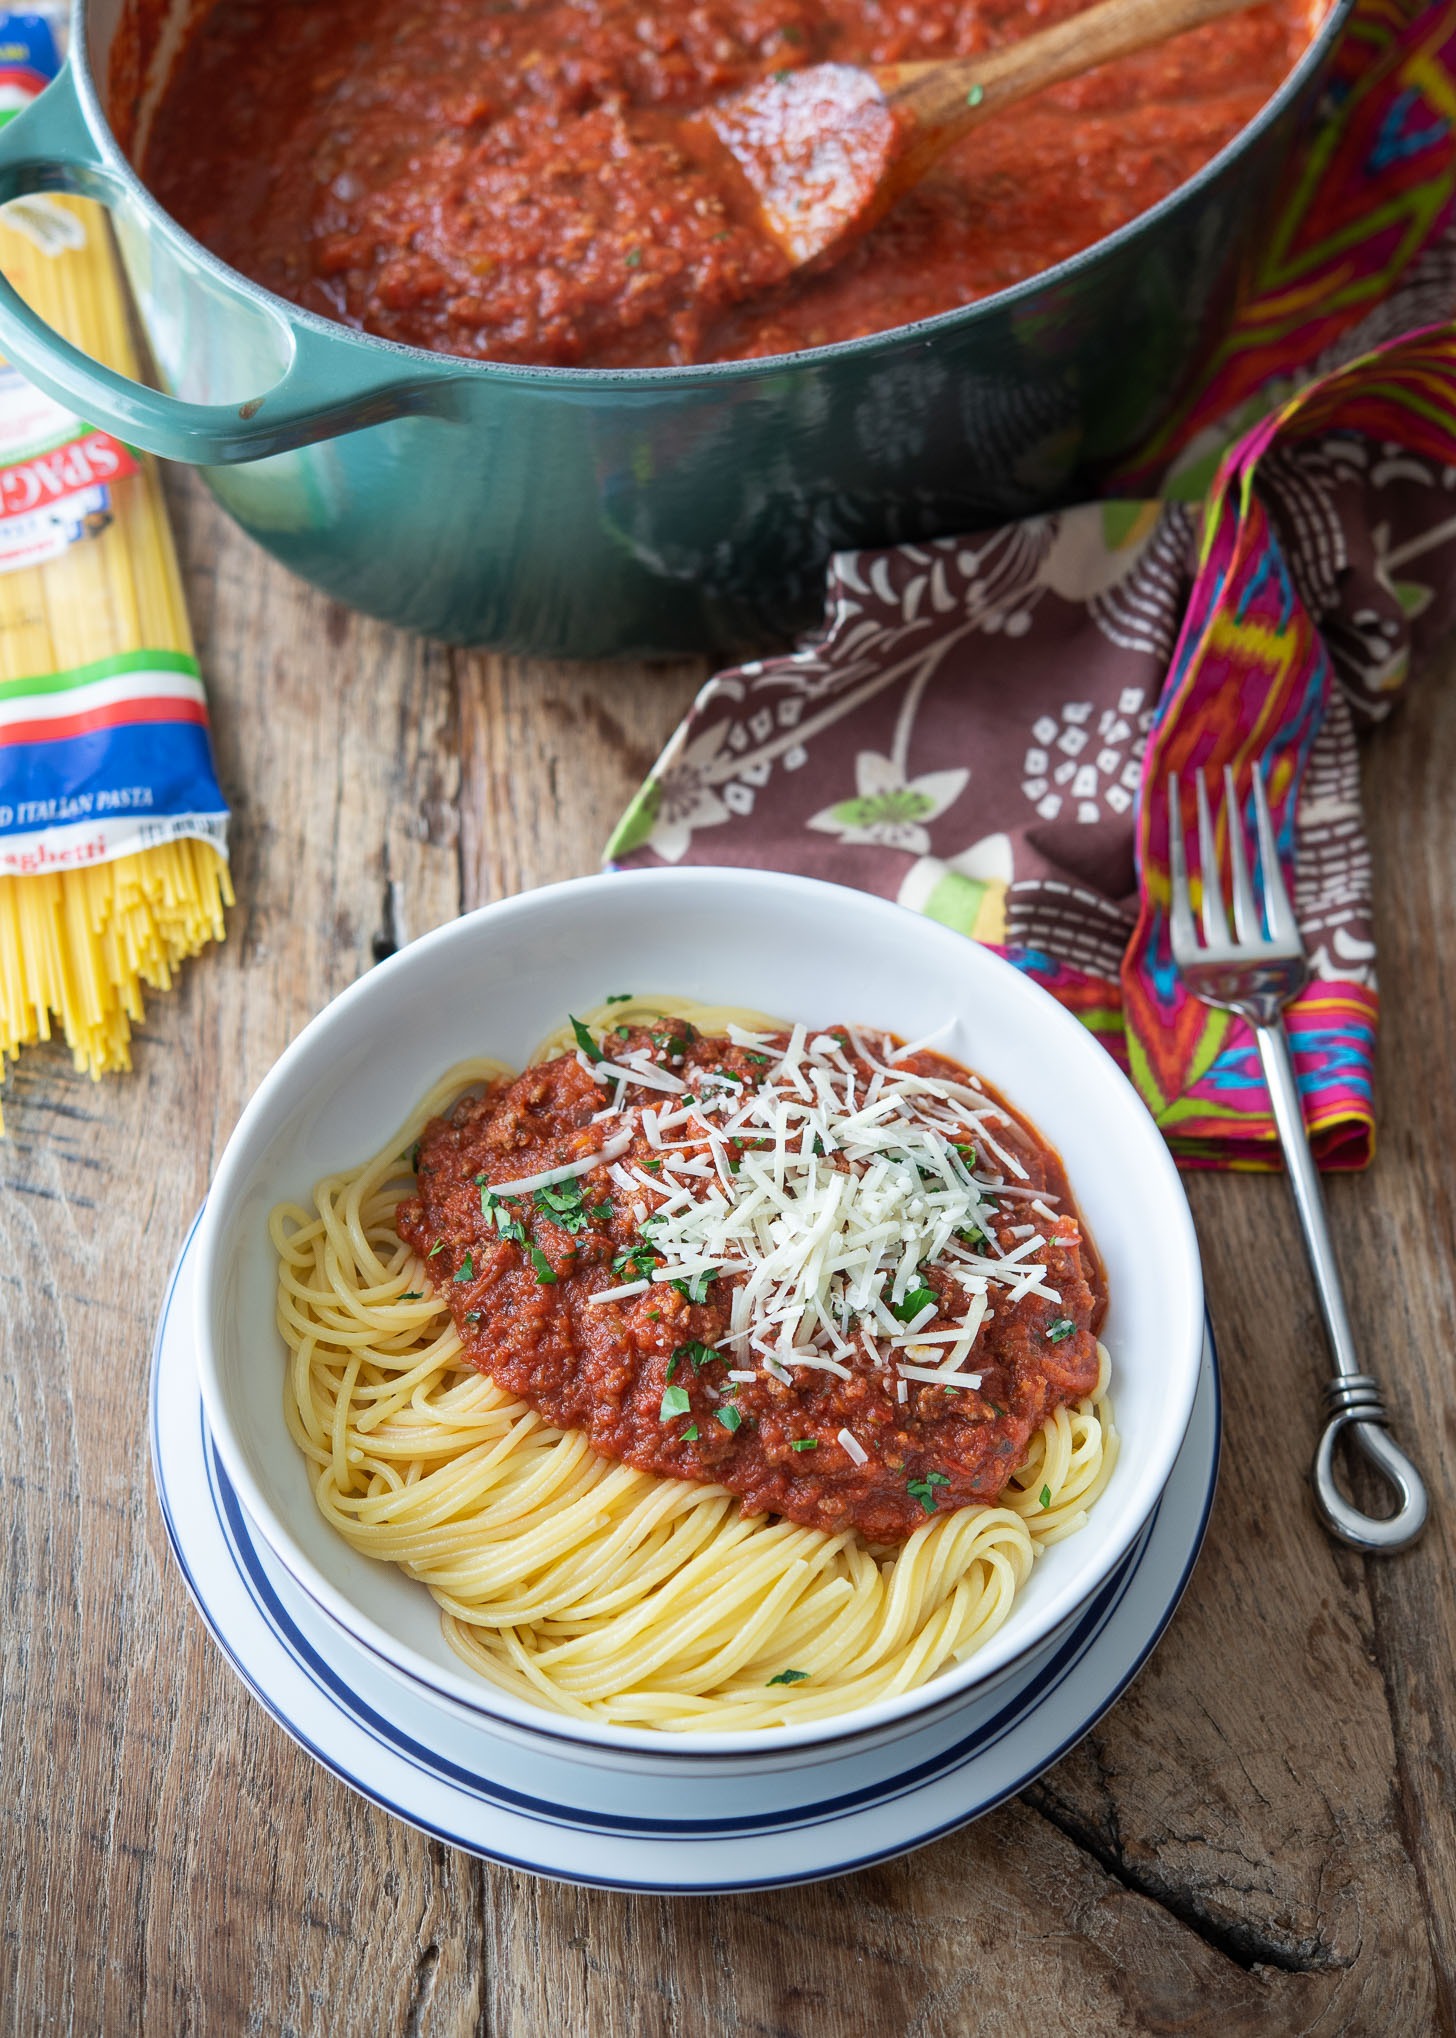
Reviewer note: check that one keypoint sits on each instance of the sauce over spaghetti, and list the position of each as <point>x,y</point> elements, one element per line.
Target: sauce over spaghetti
<point>500,178</point>
<point>864,1403</point>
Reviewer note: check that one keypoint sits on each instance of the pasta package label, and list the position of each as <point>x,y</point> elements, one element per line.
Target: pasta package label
<point>55,474</point>
<point>29,59</point>
<point>103,760</point>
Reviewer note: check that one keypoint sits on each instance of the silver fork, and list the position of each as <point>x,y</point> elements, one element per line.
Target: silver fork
<point>1256,975</point>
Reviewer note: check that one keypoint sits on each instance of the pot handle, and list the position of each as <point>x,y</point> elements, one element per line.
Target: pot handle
<point>332,385</point>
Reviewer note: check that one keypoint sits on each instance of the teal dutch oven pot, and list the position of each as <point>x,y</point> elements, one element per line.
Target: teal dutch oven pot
<point>582,513</point>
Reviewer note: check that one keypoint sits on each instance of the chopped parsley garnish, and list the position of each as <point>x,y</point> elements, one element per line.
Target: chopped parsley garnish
<point>620,998</point>
<point>1045,1496</point>
<point>466,1269</point>
<point>696,1289</point>
<point>916,1300</point>
<point>790,1677</point>
<point>973,1235</point>
<point>437,1247</point>
<point>584,1040</point>
<point>600,1212</point>
<point>492,1207</point>
<point>674,1402</point>
<point>804,1444</point>
<point>633,258</point>
<point>923,1490</point>
<point>636,1263</point>
<point>653,1167</point>
<point>414,1295</point>
<point>563,1205</point>
<point>414,1156</point>
<point>545,1272</point>
<point>622,1032</point>
<point>1063,1327</point>
<point>691,1434</point>
<point>699,1353</point>
<point>976,94</point>
<point>729,1417</point>
<point>761,1060</point>
<point>472,1315</point>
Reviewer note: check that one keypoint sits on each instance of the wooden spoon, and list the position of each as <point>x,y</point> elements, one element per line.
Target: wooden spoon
<point>827,150</point>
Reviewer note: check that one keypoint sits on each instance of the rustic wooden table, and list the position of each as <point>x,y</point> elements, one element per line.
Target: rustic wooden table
<point>1259,1838</point>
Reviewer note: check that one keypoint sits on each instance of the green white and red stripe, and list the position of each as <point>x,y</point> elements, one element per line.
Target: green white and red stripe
<point>110,693</point>
<point>103,760</point>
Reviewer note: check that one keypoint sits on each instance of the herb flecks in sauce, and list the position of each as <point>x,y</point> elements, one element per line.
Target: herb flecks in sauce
<point>900,1386</point>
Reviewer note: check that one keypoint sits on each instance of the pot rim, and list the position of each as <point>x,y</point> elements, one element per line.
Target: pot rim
<point>691,374</point>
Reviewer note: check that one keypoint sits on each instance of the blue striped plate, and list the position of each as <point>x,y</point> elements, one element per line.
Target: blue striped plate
<point>451,1777</point>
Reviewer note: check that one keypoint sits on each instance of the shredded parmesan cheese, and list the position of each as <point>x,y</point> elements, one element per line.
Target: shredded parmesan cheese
<point>619,1294</point>
<point>845,1195</point>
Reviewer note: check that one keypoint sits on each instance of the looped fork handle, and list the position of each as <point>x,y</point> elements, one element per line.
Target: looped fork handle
<point>1353,1402</point>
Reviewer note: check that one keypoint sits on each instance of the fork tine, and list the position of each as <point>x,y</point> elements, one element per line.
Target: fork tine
<point>1184,934</point>
<point>1280,914</point>
<point>1247,918</point>
<point>1215,920</point>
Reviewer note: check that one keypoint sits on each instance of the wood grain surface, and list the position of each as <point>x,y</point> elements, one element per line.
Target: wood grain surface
<point>1261,1837</point>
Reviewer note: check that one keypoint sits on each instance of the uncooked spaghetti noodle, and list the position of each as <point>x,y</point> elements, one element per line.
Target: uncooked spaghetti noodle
<point>583,1584</point>
<point>94,648</point>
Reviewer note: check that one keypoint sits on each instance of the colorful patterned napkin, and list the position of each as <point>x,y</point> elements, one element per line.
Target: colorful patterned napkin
<point>983,726</point>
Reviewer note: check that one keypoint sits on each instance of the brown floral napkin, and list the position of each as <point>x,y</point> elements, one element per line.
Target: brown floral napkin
<point>982,728</point>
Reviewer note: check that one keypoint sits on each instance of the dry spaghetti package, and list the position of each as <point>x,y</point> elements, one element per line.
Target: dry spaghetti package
<point>112,827</point>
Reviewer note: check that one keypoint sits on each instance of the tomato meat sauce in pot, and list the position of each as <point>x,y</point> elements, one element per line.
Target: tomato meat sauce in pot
<point>538,384</point>
<point>500,179</point>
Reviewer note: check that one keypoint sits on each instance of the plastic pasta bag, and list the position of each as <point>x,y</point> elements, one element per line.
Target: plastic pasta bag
<point>113,852</point>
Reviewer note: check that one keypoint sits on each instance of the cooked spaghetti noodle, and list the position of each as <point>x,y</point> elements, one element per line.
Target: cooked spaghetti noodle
<point>581,1583</point>
<point>77,944</point>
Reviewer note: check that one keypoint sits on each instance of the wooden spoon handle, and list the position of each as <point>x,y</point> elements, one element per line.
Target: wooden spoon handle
<point>952,97</point>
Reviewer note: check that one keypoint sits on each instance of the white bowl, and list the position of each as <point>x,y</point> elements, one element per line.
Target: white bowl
<point>494,983</point>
